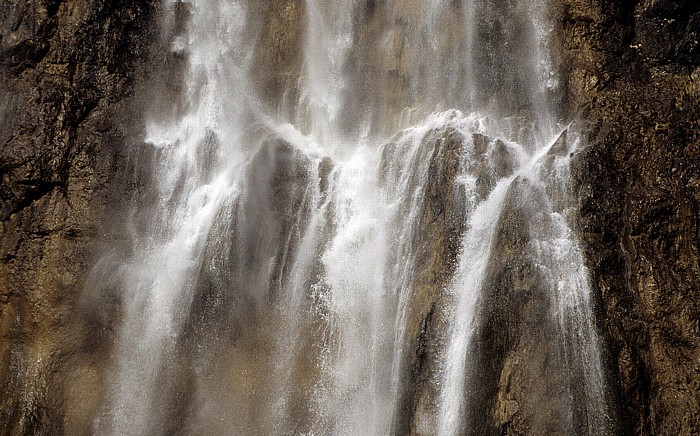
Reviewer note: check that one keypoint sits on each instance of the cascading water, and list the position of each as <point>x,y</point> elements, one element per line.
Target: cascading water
<point>318,251</point>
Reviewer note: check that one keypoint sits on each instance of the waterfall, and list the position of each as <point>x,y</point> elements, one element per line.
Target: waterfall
<point>340,196</point>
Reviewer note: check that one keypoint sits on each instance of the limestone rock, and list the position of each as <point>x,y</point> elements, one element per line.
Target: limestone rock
<point>68,71</point>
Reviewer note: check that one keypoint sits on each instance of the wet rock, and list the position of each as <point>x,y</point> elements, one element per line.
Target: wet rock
<point>68,85</point>
<point>278,55</point>
<point>68,71</point>
<point>491,161</point>
<point>442,224</point>
<point>240,309</point>
<point>245,263</point>
<point>638,202</point>
<point>528,362</point>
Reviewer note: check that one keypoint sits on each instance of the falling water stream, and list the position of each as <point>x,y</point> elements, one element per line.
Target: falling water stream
<point>282,264</point>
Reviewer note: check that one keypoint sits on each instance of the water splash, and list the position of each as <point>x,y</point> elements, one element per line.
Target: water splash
<point>285,277</point>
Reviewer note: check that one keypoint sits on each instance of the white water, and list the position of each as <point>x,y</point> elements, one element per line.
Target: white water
<point>295,221</point>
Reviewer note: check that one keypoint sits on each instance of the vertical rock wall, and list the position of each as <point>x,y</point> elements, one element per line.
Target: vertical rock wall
<point>69,108</point>
<point>68,71</point>
<point>633,71</point>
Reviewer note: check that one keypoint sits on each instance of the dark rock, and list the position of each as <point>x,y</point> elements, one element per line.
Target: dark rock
<point>528,359</point>
<point>637,185</point>
<point>69,76</point>
<point>68,71</point>
<point>516,340</point>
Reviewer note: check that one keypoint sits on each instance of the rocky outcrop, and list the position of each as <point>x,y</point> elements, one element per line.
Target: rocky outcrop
<point>441,224</point>
<point>533,353</point>
<point>516,339</point>
<point>68,74</point>
<point>633,71</point>
<point>251,317</point>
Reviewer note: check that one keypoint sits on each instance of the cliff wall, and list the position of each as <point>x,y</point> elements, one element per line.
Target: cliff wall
<point>71,107</point>
<point>68,75</point>
<point>632,71</point>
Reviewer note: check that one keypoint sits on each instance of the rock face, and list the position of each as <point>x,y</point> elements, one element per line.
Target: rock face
<point>442,222</point>
<point>507,355</point>
<point>633,69</point>
<point>71,106</point>
<point>68,71</point>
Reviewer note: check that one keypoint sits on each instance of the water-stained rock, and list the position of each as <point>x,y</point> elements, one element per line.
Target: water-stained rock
<point>240,311</point>
<point>68,71</point>
<point>634,68</point>
<point>437,244</point>
<point>68,76</point>
<point>528,357</point>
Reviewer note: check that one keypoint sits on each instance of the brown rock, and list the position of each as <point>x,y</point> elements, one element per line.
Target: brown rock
<point>67,75</point>
<point>639,210</point>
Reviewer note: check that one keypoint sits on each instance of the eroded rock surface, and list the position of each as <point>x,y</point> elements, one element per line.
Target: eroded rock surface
<point>69,75</point>
<point>633,69</point>
<point>68,71</point>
